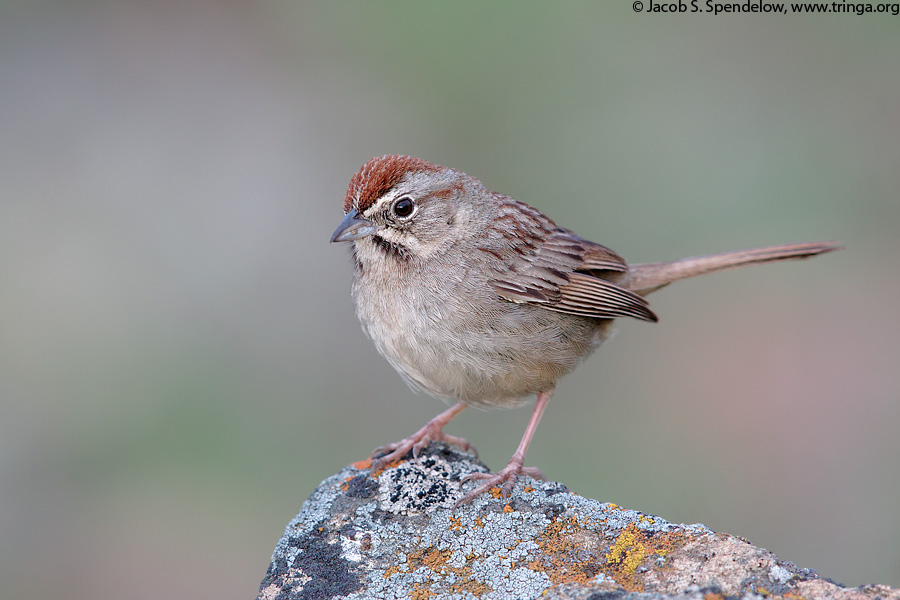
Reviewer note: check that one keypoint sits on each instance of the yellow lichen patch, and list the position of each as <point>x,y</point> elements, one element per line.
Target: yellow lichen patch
<point>619,550</point>
<point>625,556</point>
<point>712,596</point>
<point>634,558</point>
<point>630,550</point>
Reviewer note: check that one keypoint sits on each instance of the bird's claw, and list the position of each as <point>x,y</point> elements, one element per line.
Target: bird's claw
<point>507,476</point>
<point>417,442</point>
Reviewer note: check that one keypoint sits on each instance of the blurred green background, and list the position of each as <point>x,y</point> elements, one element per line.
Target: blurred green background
<point>180,363</point>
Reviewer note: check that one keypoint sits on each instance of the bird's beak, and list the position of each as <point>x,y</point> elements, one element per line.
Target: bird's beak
<point>353,227</point>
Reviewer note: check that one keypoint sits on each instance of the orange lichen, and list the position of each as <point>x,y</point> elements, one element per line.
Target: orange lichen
<point>575,552</point>
<point>565,552</point>
<point>476,588</point>
<point>420,592</point>
<point>382,468</point>
<point>434,559</point>
<point>362,464</point>
<point>437,561</point>
<point>390,571</point>
<point>571,550</point>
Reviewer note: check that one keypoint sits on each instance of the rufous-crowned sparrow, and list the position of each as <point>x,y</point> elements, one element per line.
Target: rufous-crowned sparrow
<point>477,298</point>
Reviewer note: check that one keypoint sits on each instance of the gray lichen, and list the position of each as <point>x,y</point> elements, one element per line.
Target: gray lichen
<point>394,534</point>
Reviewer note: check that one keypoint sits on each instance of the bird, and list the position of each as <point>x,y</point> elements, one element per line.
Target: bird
<point>481,300</point>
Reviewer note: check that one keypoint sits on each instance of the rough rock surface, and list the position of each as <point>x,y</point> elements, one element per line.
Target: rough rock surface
<point>393,534</point>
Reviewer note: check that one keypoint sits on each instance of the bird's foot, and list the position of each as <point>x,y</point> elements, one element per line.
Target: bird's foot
<point>507,476</point>
<point>431,432</point>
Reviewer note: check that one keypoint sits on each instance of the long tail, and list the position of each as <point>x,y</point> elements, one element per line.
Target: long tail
<point>648,277</point>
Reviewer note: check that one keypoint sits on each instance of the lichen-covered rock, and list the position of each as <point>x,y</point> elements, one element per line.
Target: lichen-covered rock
<point>394,534</point>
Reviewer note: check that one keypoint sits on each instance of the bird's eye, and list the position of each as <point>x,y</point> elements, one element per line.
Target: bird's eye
<point>403,207</point>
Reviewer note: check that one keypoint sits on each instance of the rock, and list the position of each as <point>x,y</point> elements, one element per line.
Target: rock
<point>394,534</point>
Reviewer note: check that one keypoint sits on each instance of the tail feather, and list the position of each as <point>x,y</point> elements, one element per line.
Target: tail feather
<point>648,277</point>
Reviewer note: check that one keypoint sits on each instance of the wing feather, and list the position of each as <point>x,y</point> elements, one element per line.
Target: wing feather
<point>553,268</point>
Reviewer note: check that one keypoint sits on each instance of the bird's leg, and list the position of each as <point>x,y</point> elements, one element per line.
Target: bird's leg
<point>508,474</point>
<point>432,431</point>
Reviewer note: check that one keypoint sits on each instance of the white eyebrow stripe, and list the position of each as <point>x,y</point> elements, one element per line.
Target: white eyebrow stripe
<point>387,198</point>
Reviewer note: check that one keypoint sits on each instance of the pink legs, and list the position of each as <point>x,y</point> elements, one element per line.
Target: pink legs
<point>433,430</point>
<point>508,474</point>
